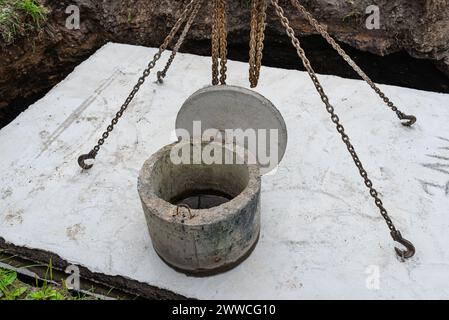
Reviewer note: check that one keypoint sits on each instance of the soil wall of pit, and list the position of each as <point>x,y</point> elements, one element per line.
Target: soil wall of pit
<point>410,49</point>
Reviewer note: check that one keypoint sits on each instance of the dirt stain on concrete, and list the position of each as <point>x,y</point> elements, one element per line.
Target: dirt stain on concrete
<point>14,217</point>
<point>74,231</point>
<point>6,193</point>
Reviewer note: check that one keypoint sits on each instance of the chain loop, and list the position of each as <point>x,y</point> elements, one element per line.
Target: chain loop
<point>223,42</point>
<point>257,37</point>
<point>345,138</point>
<point>219,43</point>
<point>215,45</point>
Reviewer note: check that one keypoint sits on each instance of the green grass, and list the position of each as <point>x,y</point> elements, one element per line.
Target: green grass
<point>354,15</point>
<point>20,17</point>
<point>11,288</point>
<point>33,9</point>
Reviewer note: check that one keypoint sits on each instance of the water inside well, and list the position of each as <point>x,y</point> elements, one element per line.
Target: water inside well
<point>202,199</point>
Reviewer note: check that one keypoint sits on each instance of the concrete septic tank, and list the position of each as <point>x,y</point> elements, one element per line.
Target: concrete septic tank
<point>203,218</point>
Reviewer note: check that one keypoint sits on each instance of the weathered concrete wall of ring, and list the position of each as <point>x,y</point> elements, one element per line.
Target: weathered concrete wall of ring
<point>421,27</point>
<point>207,241</point>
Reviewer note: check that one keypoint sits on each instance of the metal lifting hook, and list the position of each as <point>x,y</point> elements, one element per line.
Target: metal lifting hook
<point>160,77</point>
<point>404,254</point>
<point>82,160</point>
<point>410,119</point>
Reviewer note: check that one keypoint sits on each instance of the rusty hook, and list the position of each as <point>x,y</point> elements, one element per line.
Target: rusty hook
<point>404,254</point>
<point>160,77</point>
<point>410,119</point>
<point>82,160</point>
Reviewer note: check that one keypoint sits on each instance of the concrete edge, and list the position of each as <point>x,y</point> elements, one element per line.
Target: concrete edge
<point>134,287</point>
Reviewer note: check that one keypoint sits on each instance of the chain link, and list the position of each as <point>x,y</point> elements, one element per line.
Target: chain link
<point>257,37</point>
<point>93,153</point>
<point>341,130</point>
<point>322,30</point>
<point>215,46</point>
<point>162,74</point>
<point>219,43</point>
<point>223,42</point>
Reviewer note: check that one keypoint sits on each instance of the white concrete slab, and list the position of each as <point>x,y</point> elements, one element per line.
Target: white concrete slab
<point>321,233</point>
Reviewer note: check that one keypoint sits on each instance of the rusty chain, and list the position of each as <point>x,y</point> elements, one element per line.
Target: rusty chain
<point>395,234</point>
<point>219,51</point>
<point>257,37</point>
<point>215,45</point>
<point>410,119</point>
<point>223,41</point>
<point>93,153</point>
<point>219,43</point>
<point>162,74</point>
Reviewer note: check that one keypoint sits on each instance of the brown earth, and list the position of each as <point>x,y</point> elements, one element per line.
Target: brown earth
<point>409,29</point>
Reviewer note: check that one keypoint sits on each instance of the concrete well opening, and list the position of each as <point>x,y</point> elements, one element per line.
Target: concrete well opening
<point>199,186</point>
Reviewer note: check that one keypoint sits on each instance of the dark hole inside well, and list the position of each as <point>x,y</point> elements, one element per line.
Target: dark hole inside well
<point>202,199</point>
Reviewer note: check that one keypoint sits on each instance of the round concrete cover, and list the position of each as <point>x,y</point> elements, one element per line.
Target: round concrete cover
<point>228,108</point>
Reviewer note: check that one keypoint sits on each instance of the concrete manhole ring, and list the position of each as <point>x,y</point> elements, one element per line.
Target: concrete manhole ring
<point>219,226</point>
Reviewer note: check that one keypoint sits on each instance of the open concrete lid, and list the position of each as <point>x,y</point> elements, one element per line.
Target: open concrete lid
<point>235,115</point>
